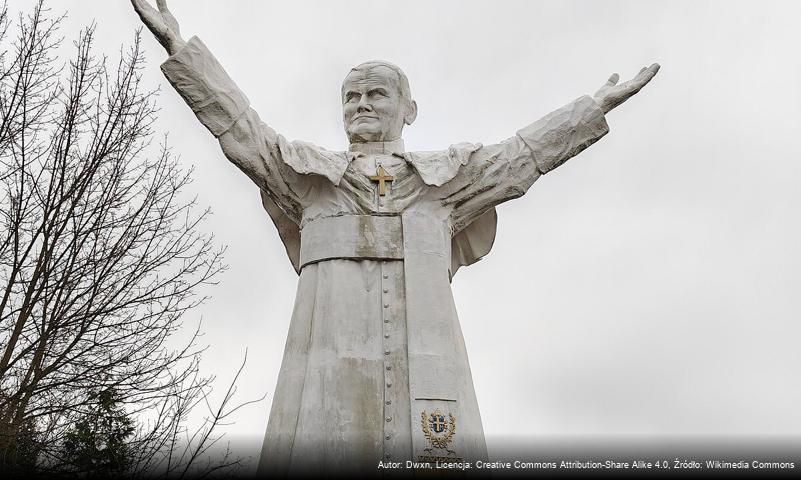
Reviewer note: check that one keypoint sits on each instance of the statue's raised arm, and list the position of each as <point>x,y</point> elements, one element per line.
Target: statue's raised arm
<point>500,172</point>
<point>275,165</point>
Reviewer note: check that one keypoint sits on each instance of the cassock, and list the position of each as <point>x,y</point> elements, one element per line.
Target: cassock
<point>375,366</point>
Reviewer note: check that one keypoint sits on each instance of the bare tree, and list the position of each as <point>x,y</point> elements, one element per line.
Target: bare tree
<point>100,256</point>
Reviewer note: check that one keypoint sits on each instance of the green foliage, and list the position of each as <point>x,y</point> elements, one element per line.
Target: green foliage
<point>96,445</point>
<point>21,457</point>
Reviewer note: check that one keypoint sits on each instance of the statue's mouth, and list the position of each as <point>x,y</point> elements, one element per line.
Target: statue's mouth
<point>359,117</point>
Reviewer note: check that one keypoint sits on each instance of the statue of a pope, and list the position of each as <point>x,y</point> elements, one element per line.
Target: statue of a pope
<point>375,366</point>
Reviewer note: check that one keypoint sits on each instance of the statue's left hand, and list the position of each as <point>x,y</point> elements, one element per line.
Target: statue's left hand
<point>610,95</point>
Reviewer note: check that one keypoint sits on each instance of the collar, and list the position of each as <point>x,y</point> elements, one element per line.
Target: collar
<point>395,147</point>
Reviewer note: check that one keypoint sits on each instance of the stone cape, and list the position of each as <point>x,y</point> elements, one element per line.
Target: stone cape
<point>375,366</point>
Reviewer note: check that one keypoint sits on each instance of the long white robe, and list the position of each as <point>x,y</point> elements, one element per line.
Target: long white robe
<point>375,366</point>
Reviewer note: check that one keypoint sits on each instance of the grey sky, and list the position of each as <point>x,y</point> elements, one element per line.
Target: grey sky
<point>648,286</point>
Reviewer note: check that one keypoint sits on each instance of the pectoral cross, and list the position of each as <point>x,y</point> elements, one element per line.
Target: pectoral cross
<point>381,177</point>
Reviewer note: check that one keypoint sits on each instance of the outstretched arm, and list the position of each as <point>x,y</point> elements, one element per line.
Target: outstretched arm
<point>500,172</point>
<point>224,110</point>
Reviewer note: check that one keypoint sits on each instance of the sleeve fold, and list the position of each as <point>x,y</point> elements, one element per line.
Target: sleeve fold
<point>564,133</point>
<point>205,86</point>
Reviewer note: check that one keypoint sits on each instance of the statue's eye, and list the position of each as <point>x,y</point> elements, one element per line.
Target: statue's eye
<point>351,97</point>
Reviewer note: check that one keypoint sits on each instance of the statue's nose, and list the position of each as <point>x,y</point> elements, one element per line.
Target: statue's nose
<point>364,105</point>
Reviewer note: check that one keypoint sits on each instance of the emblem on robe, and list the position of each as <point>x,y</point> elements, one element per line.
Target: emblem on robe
<point>438,428</point>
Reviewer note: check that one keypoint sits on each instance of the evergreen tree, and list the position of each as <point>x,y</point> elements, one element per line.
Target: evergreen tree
<point>96,445</point>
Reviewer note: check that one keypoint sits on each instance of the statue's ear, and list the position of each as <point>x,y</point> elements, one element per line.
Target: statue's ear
<point>411,113</point>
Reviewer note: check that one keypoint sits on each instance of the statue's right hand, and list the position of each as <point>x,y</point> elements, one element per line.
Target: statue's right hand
<point>161,23</point>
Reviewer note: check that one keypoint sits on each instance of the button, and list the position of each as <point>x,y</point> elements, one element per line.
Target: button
<point>386,320</point>
<point>389,419</point>
<point>389,402</point>
<point>386,276</point>
<point>386,352</point>
<point>389,368</point>
<point>389,384</point>
<point>386,290</point>
<point>386,335</point>
<point>386,305</point>
<point>388,437</point>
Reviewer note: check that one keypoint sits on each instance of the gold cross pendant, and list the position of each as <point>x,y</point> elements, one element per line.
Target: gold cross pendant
<point>381,177</point>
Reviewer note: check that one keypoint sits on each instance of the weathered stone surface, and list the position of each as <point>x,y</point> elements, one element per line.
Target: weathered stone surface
<point>375,365</point>
<point>371,287</point>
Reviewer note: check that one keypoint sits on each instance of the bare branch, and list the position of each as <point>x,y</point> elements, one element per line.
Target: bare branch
<point>102,255</point>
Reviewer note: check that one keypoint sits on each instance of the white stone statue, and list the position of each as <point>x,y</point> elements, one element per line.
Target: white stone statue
<point>375,366</point>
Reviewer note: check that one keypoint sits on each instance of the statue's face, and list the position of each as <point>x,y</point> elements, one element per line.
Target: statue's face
<point>373,108</point>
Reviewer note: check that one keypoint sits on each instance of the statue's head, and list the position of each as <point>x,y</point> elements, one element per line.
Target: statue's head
<point>376,102</point>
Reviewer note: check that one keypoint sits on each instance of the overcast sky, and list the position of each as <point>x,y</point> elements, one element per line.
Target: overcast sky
<point>648,286</point>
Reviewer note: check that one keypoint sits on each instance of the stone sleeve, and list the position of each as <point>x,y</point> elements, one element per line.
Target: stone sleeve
<point>564,133</point>
<point>205,86</point>
<point>500,172</point>
<point>255,148</point>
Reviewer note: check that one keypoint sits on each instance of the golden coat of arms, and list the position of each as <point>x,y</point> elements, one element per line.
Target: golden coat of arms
<point>438,428</point>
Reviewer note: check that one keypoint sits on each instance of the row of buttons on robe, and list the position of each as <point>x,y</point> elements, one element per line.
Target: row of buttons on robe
<point>387,352</point>
<point>388,396</point>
